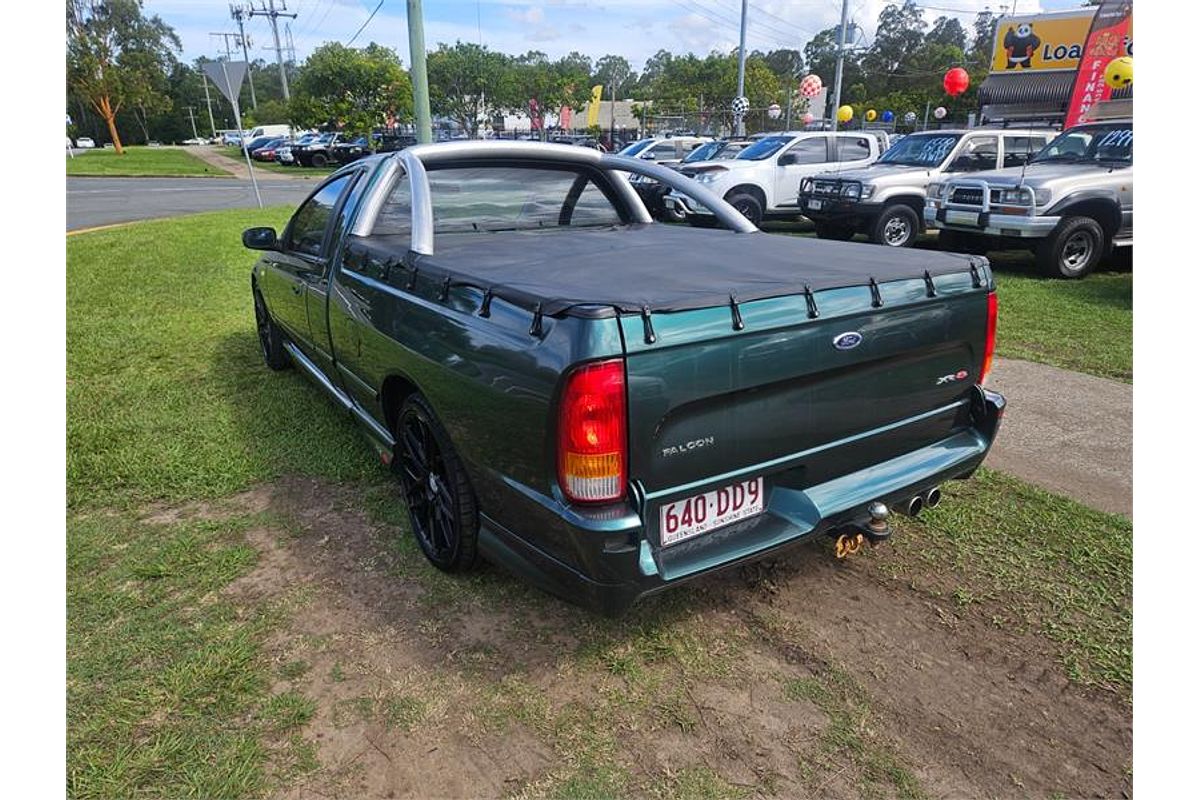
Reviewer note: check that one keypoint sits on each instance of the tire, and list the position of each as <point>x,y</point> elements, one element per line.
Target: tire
<point>748,205</point>
<point>270,338</point>
<point>441,505</point>
<point>1073,249</point>
<point>834,231</point>
<point>319,159</point>
<point>897,226</point>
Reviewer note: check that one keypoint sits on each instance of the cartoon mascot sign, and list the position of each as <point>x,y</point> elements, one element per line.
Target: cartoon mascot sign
<point>1020,43</point>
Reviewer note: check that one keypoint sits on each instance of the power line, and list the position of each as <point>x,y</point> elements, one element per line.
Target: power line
<point>378,6</point>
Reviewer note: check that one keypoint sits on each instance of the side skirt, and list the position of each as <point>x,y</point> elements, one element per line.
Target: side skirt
<point>380,437</point>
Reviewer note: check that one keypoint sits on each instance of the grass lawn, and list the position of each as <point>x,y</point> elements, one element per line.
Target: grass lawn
<point>175,682</point>
<point>138,162</point>
<point>284,169</point>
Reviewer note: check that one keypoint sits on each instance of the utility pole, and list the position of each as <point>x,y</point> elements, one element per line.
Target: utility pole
<point>227,37</point>
<point>420,77</point>
<point>239,16</point>
<point>837,80</point>
<point>269,11</point>
<point>208,102</point>
<point>192,114</point>
<point>741,87</point>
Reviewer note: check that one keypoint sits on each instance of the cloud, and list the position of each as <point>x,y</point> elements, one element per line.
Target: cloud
<point>531,15</point>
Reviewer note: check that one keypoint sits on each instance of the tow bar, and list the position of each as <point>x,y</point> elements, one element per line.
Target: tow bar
<point>850,539</point>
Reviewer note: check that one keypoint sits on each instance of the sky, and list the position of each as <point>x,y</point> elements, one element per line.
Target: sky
<point>635,29</point>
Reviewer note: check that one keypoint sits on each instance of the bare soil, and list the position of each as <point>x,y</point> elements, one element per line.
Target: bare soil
<point>428,686</point>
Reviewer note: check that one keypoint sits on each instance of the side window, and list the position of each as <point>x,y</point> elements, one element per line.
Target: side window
<point>307,230</point>
<point>977,154</point>
<point>809,151</point>
<point>662,151</point>
<point>1019,149</point>
<point>852,148</point>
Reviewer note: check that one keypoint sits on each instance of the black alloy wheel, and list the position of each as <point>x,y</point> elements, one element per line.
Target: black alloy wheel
<point>748,205</point>
<point>441,505</point>
<point>270,338</point>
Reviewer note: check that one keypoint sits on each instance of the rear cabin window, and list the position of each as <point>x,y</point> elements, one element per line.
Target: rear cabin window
<point>483,199</point>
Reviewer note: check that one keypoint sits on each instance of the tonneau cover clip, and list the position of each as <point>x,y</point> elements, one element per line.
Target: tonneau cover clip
<point>485,308</point>
<point>930,291</point>
<point>412,278</point>
<point>536,328</point>
<point>876,298</point>
<point>445,293</point>
<point>976,280</point>
<point>811,302</point>
<point>648,334</point>
<point>737,312</point>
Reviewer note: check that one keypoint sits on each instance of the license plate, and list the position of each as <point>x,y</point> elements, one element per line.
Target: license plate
<point>961,217</point>
<point>815,205</point>
<point>706,512</point>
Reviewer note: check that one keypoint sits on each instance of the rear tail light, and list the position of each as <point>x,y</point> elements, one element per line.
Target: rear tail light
<point>989,345</point>
<point>592,451</point>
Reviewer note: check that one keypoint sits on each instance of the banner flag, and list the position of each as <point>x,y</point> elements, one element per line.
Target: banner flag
<point>593,117</point>
<point>1111,36</point>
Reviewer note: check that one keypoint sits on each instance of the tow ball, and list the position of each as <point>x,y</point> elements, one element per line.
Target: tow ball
<point>850,541</point>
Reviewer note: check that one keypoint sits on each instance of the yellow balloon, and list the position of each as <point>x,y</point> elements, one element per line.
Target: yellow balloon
<point>845,114</point>
<point>871,115</point>
<point>1119,72</point>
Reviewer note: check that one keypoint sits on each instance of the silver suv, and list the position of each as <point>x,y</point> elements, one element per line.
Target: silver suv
<point>1071,204</point>
<point>885,200</point>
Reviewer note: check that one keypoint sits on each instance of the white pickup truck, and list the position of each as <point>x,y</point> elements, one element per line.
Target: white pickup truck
<point>763,181</point>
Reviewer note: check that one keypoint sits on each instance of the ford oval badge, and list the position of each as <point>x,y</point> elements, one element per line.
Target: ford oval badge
<point>848,340</point>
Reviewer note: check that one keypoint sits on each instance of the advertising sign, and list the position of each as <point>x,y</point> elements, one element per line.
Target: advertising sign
<point>1038,42</point>
<point>1111,36</point>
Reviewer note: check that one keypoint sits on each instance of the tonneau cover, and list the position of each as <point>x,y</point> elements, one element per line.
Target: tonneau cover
<point>656,267</point>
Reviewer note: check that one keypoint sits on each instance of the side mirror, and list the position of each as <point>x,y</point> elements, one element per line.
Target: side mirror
<point>260,239</point>
<point>787,159</point>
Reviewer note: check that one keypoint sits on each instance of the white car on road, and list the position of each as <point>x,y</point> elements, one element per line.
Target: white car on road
<point>763,181</point>
<point>85,143</point>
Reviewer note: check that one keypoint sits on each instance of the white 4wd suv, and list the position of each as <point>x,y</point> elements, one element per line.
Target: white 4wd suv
<point>886,200</point>
<point>764,179</point>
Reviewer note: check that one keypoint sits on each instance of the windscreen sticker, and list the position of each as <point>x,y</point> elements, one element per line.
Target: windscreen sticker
<point>1121,137</point>
<point>936,149</point>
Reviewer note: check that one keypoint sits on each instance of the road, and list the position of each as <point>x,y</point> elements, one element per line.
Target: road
<point>105,201</point>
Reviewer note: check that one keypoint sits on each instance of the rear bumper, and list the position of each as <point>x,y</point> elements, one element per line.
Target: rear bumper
<point>611,561</point>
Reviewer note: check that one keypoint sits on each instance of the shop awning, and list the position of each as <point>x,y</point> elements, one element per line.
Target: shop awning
<point>1025,88</point>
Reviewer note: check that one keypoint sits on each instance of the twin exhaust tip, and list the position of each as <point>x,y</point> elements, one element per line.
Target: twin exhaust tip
<point>917,503</point>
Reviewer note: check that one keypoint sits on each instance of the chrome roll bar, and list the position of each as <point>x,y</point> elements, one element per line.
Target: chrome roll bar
<point>412,161</point>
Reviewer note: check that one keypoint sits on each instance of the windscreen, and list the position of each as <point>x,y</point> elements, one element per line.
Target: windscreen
<point>763,148</point>
<point>635,148</point>
<point>921,150</point>
<point>704,152</point>
<point>1098,143</point>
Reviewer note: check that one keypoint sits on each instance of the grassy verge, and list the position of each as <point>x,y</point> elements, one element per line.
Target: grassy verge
<point>284,169</point>
<point>1031,560</point>
<point>137,162</point>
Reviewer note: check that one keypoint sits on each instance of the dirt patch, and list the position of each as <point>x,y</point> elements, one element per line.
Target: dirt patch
<point>431,686</point>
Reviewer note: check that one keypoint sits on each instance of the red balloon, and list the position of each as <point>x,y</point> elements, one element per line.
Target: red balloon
<point>956,81</point>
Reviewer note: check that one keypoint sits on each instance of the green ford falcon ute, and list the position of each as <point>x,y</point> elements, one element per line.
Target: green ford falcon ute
<point>607,405</point>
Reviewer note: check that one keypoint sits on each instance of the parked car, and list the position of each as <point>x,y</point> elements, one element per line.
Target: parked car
<point>85,143</point>
<point>350,150</point>
<point>260,141</point>
<point>594,422</point>
<point>199,140</point>
<point>278,131</point>
<point>267,152</point>
<point>1071,204</point>
<point>763,180</point>
<point>886,199</point>
<point>283,154</point>
<point>231,138</point>
<point>654,193</point>
<point>392,142</point>
<point>315,153</point>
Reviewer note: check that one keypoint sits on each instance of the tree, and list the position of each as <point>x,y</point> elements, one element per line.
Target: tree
<point>468,82</point>
<point>352,88</point>
<point>549,85</point>
<point>116,56</point>
<point>615,71</point>
<point>983,35</point>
